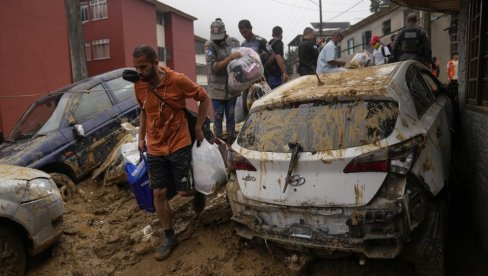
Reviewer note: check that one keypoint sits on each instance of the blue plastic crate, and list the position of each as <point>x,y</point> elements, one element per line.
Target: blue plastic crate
<point>138,177</point>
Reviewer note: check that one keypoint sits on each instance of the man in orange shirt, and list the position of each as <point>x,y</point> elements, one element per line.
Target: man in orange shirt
<point>161,93</point>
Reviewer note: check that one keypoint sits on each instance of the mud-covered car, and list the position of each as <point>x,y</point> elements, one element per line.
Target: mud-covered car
<point>30,216</point>
<point>355,163</point>
<point>70,131</point>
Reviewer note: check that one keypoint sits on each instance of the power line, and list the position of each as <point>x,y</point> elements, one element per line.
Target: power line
<point>353,6</point>
<point>312,9</point>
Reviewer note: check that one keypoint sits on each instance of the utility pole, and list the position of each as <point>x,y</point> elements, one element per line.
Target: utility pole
<point>320,24</point>
<point>76,41</point>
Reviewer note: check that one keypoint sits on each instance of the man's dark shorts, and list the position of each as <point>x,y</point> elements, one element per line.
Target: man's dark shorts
<point>171,172</point>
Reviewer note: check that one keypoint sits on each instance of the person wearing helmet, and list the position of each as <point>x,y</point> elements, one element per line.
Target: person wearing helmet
<point>381,54</point>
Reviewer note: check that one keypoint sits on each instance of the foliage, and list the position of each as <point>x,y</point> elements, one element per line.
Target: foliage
<point>377,5</point>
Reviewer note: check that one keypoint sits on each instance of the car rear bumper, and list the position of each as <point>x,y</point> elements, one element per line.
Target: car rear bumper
<point>378,229</point>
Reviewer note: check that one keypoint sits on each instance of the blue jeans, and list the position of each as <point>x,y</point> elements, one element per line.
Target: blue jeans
<point>228,107</point>
<point>274,81</point>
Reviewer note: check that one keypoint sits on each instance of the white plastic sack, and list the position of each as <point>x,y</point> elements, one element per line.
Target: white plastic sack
<point>208,167</point>
<point>360,60</point>
<point>245,70</point>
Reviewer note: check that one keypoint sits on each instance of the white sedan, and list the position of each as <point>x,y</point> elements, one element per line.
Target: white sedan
<point>354,163</point>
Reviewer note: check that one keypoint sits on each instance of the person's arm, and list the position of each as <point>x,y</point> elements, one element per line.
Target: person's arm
<point>202,115</point>
<point>142,131</point>
<point>221,65</point>
<point>427,49</point>
<point>281,64</point>
<point>338,63</point>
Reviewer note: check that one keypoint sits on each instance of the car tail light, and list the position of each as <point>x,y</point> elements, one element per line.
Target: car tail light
<point>239,162</point>
<point>376,161</point>
<point>397,158</point>
<point>404,154</point>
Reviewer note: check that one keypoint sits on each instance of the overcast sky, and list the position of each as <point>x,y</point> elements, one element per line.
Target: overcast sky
<point>292,15</point>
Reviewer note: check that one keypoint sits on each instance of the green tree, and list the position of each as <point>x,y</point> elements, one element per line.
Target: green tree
<point>377,5</point>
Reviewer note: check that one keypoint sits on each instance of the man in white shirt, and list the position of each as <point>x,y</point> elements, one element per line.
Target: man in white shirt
<point>381,54</point>
<point>328,61</point>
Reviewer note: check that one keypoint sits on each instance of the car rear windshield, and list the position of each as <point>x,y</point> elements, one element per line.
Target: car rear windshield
<point>319,126</point>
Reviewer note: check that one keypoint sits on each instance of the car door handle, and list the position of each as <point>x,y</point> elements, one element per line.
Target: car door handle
<point>439,132</point>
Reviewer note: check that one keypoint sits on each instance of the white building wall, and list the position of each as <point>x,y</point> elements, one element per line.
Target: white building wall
<point>160,39</point>
<point>376,28</point>
<point>201,78</point>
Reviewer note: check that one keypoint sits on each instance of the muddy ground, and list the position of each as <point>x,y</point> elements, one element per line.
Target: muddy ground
<point>106,234</point>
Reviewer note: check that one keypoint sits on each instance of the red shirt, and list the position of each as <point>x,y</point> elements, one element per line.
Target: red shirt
<point>166,125</point>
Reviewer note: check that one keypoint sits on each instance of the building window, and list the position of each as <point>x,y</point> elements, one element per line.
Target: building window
<point>350,46</point>
<point>159,18</point>
<point>201,69</point>
<point>161,54</point>
<point>477,63</point>
<point>101,49</point>
<point>386,27</point>
<point>99,9</point>
<point>84,11</point>
<point>88,52</point>
<point>366,37</point>
<point>338,51</point>
<point>199,45</point>
<point>169,54</point>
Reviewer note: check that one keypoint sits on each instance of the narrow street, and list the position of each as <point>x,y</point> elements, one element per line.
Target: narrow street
<point>106,234</point>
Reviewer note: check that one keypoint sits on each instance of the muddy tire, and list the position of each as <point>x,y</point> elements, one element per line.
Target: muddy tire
<point>66,186</point>
<point>12,253</point>
<point>428,241</point>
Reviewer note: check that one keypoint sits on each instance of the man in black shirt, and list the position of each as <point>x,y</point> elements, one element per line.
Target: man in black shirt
<point>308,53</point>
<point>276,71</point>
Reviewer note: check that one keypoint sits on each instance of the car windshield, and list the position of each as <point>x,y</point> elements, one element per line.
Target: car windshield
<point>42,117</point>
<point>319,126</point>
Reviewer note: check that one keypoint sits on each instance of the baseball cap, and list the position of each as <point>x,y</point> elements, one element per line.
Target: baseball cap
<point>374,39</point>
<point>217,30</point>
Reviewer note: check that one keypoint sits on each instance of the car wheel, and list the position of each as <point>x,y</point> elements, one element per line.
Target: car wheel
<point>428,241</point>
<point>66,186</point>
<point>12,253</point>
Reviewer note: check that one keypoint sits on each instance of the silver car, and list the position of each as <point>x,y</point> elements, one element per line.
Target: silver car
<point>31,210</point>
<point>354,163</point>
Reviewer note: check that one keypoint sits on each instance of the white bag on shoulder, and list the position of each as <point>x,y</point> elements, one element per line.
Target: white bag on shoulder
<point>208,167</point>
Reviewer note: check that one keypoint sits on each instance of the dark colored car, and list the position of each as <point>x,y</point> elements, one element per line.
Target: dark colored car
<point>70,131</point>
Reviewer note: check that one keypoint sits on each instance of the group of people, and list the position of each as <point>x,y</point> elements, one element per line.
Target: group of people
<point>412,42</point>
<point>219,53</point>
<point>161,93</point>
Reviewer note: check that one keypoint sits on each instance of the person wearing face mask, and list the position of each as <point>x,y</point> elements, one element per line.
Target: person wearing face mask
<point>218,54</point>
<point>381,54</point>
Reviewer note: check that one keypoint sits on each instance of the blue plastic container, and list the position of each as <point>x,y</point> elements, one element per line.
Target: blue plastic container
<point>138,177</point>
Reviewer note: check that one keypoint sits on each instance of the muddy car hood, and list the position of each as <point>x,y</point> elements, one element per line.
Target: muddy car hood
<point>8,172</point>
<point>22,152</point>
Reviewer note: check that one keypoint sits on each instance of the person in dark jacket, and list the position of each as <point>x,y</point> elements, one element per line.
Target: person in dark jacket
<point>308,52</point>
<point>412,42</point>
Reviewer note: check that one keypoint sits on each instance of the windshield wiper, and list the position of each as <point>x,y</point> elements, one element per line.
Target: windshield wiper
<point>293,161</point>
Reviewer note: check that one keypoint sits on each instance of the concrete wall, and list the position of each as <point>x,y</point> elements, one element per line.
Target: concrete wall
<point>139,26</point>
<point>474,141</point>
<point>440,42</point>
<point>180,38</point>
<point>35,54</point>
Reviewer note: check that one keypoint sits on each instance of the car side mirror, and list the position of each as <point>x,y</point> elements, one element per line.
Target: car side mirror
<point>80,132</point>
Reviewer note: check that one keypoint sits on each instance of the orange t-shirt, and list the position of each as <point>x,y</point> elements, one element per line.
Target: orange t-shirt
<point>166,125</point>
